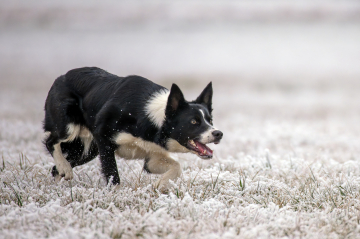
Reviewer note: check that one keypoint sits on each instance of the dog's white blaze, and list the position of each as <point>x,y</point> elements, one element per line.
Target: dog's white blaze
<point>155,107</point>
<point>75,131</point>
<point>207,136</point>
<point>202,112</point>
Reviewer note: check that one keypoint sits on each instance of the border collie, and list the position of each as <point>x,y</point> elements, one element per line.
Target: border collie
<point>90,112</point>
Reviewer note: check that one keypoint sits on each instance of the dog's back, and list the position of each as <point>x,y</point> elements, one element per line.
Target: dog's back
<point>83,92</point>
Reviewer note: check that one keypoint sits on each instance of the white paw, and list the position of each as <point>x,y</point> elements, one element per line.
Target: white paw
<point>57,178</point>
<point>162,186</point>
<point>65,170</point>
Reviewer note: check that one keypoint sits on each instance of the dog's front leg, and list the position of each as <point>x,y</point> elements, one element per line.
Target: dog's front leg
<point>163,164</point>
<point>107,159</point>
<point>105,125</point>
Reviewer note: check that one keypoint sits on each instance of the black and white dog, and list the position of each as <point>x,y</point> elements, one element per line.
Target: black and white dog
<point>89,111</point>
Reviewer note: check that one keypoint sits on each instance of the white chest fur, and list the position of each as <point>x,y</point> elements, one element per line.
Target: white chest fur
<point>155,107</point>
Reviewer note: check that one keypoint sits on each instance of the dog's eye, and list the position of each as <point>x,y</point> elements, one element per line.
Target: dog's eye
<point>193,121</point>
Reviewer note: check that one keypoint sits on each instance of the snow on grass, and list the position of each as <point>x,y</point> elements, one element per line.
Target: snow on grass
<point>258,197</point>
<point>289,174</point>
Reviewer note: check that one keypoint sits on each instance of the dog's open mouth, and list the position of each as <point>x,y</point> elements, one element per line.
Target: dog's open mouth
<point>200,149</point>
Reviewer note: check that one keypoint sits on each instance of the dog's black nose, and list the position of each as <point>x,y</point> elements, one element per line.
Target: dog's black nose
<point>217,134</point>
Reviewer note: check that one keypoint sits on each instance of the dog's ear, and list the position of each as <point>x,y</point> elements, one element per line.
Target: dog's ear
<point>176,99</point>
<point>206,97</point>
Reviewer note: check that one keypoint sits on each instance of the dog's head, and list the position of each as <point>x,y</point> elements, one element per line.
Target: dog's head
<point>189,124</point>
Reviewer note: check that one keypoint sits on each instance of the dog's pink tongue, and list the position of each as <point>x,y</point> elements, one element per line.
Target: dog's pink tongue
<point>203,149</point>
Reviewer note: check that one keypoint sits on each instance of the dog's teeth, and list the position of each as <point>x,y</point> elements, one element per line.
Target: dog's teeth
<point>192,143</point>
<point>205,151</point>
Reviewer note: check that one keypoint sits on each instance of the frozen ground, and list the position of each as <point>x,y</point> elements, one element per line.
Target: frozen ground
<point>286,96</point>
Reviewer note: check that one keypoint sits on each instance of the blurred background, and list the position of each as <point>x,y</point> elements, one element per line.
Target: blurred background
<point>285,73</point>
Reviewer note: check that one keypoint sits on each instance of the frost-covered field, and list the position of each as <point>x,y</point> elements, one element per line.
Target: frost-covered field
<point>286,96</point>
<point>287,167</point>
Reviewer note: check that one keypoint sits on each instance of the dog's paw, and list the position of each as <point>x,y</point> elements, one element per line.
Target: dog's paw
<point>164,190</point>
<point>57,178</point>
<point>162,186</point>
<point>116,187</point>
<point>65,171</point>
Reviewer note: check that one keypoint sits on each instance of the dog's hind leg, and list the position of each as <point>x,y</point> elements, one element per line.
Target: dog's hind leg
<point>75,155</point>
<point>56,146</point>
<point>63,167</point>
<point>49,143</point>
<point>163,164</point>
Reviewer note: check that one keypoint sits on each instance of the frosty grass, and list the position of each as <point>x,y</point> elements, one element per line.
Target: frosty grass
<point>287,169</point>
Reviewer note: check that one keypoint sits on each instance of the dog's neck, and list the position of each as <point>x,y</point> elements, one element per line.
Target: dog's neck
<point>155,107</point>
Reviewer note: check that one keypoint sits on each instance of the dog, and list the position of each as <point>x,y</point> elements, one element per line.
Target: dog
<point>90,112</point>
